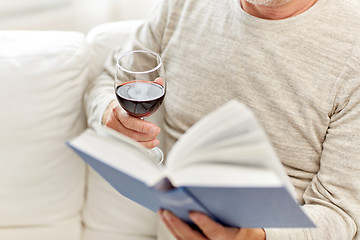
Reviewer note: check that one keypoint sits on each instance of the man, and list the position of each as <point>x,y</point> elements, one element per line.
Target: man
<point>295,63</point>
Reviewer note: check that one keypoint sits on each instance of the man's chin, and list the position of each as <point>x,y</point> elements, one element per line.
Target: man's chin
<point>269,3</point>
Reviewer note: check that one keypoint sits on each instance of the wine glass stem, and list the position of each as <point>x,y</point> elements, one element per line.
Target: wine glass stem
<point>156,154</point>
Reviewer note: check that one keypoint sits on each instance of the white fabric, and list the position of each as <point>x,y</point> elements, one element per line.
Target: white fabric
<point>102,39</point>
<point>42,182</point>
<point>107,214</point>
<point>43,76</point>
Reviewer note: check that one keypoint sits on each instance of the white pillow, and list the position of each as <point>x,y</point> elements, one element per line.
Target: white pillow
<point>42,182</point>
<point>107,214</point>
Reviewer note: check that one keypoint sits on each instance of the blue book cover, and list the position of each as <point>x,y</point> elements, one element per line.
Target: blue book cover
<point>229,172</point>
<point>231,206</point>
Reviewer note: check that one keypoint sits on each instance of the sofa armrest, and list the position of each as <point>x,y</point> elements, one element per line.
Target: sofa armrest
<point>43,77</point>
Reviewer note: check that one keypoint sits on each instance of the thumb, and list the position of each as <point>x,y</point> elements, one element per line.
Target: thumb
<point>160,81</point>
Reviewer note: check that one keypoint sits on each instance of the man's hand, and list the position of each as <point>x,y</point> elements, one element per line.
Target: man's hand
<point>211,230</point>
<point>138,129</point>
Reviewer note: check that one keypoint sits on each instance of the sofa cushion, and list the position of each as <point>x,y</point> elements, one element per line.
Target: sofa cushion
<point>42,80</point>
<point>107,214</point>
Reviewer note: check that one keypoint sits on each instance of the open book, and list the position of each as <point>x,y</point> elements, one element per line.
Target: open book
<point>224,166</point>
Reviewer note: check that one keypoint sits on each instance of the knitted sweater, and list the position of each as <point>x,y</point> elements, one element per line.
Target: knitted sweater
<point>301,77</point>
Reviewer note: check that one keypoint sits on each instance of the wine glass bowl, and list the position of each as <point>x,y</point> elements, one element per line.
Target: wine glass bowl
<point>137,85</point>
<point>139,88</point>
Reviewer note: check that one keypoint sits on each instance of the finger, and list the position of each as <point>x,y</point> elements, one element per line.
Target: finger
<point>160,81</point>
<point>147,140</point>
<point>167,224</point>
<point>178,228</point>
<point>136,124</point>
<point>115,124</point>
<point>151,144</point>
<point>210,228</point>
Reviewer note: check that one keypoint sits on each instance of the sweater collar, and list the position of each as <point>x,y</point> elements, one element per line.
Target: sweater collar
<point>282,23</point>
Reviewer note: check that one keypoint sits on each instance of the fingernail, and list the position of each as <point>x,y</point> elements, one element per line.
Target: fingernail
<point>167,215</point>
<point>194,217</point>
<point>161,214</point>
<point>156,142</point>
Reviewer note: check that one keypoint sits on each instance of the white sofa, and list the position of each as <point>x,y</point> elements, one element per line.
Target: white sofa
<point>46,192</point>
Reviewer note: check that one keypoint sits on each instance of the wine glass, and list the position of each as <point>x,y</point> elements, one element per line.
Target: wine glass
<point>139,88</point>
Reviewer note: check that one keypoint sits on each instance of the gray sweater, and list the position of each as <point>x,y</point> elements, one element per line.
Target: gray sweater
<point>301,77</point>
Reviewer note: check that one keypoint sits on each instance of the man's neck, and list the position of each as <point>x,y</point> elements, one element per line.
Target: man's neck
<point>290,9</point>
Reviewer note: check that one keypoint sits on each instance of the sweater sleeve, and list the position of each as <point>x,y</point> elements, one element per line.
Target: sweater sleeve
<point>332,200</point>
<point>148,36</point>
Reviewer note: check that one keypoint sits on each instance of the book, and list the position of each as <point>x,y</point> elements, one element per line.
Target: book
<point>223,166</point>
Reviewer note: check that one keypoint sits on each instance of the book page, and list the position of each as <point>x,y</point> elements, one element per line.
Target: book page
<point>225,175</point>
<point>229,137</point>
<point>119,152</point>
<point>225,125</point>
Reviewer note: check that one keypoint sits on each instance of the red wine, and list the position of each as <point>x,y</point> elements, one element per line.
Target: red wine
<point>140,98</point>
